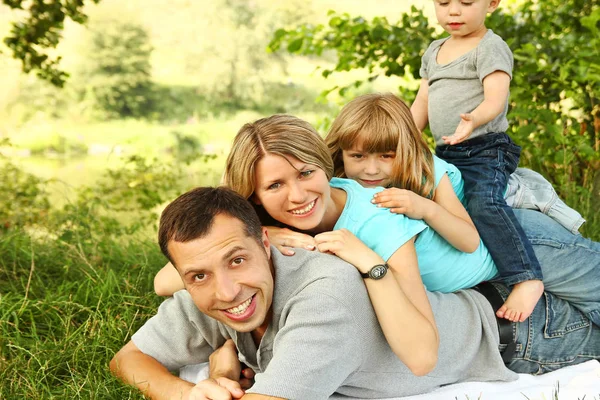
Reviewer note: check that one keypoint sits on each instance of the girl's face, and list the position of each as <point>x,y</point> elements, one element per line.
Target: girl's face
<point>291,191</point>
<point>368,169</point>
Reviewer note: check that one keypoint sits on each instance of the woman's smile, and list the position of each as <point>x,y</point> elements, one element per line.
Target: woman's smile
<point>291,191</point>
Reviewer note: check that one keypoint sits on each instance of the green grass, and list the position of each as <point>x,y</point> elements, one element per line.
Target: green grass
<point>65,309</point>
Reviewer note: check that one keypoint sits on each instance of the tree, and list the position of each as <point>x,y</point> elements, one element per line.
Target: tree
<point>116,71</point>
<point>41,30</point>
<point>555,92</point>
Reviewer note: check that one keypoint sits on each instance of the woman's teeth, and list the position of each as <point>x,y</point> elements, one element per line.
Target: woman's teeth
<point>305,209</point>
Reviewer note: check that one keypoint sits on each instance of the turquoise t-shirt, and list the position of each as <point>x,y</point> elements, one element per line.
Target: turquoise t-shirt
<point>442,267</point>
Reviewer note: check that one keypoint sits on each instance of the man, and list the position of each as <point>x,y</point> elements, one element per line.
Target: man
<point>305,323</point>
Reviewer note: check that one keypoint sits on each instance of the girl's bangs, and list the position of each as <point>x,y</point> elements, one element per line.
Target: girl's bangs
<point>371,140</point>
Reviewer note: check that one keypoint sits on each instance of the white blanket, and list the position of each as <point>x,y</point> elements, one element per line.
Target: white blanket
<point>572,383</point>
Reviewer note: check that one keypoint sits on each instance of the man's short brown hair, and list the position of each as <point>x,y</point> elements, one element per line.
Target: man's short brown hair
<point>191,215</point>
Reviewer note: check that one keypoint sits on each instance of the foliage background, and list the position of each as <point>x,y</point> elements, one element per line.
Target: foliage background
<point>155,92</point>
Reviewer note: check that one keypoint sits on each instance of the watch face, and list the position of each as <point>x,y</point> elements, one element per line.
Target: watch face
<point>378,272</point>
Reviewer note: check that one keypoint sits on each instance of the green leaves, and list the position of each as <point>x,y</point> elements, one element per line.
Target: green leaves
<point>41,30</point>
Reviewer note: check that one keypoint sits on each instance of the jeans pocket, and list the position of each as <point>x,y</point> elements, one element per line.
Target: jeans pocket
<point>562,319</point>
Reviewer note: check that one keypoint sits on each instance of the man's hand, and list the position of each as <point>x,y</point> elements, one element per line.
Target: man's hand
<point>463,131</point>
<point>224,363</point>
<point>215,389</point>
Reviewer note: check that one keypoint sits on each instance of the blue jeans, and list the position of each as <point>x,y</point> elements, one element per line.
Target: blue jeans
<point>571,268</point>
<point>485,163</point>
<point>555,335</point>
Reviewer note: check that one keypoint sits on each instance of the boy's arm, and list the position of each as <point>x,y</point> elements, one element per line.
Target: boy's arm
<point>419,106</point>
<point>495,92</point>
<point>144,372</point>
<point>167,281</point>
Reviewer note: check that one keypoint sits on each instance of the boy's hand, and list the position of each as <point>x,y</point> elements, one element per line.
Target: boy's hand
<point>463,130</point>
<point>402,201</point>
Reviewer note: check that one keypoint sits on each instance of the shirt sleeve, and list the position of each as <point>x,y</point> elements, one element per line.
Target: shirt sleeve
<point>385,232</point>
<point>495,55</point>
<point>178,334</point>
<point>424,62</point>
<point>314,351</point>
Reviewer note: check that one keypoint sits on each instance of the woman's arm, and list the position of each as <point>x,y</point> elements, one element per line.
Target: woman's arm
<point>399,298</point>
<point>445,213</point>
<point>418,108</point>
<point>167,281</point>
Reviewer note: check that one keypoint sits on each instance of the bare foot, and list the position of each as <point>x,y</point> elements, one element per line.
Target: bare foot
<point>522,300</point>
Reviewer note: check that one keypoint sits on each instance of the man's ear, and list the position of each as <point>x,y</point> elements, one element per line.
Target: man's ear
<point>265,241</point>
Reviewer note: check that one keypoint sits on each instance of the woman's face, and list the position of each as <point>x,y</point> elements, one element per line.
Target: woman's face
<point>291,191</point>
<point>368,169</point>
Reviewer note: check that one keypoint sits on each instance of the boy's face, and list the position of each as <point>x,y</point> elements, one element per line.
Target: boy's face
<point>463,18</point>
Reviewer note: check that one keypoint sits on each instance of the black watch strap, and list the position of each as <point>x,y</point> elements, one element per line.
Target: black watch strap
<point>377,272</point>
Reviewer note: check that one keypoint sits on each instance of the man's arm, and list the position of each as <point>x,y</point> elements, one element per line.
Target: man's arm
<point>144,372</point>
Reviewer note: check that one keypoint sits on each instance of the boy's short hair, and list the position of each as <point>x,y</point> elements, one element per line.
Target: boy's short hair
<point>191,215</point>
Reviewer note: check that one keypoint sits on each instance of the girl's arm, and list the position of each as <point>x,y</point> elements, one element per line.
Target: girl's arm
<point>445,213</point>
<point>399,298</point>
<point>167,281</point>
<point>418,108</point>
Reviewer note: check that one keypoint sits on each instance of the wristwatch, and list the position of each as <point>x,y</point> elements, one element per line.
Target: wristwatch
<point>377,272</point>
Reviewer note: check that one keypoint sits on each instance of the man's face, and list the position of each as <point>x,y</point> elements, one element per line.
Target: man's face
<point>228,274</point>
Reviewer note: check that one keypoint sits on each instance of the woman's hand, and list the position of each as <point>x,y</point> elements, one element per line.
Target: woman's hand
<point>349,248</point>
<point>284,239</point>
<point>402,201</point>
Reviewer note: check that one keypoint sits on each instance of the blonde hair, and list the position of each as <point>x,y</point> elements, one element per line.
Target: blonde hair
<point>383,123</point>
<point>280,134</point>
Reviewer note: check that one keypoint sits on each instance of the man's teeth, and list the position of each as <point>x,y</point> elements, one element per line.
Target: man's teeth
<point>241,308</point>
<point>305,209</point>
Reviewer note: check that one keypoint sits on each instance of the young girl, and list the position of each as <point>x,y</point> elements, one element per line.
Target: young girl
<point>465,80</point>
<point>374,140</point>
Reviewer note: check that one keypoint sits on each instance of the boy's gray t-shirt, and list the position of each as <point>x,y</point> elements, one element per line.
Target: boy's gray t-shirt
<point>457,87</point>
<point>324,337</point>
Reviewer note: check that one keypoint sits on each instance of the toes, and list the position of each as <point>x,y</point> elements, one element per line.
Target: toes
<point>501,311</point>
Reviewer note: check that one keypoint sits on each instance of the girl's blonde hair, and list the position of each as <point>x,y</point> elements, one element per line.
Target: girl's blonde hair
<point>280,134</point>
<point>383,123</point>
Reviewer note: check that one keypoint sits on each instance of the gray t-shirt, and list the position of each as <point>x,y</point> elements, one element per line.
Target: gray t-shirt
<point>457,87</point>
<point>324,337</point>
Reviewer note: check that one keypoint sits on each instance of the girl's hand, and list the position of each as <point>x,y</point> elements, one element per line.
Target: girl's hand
<point>349,248</point>
<point>402,201</point>
<point>284,239</point>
